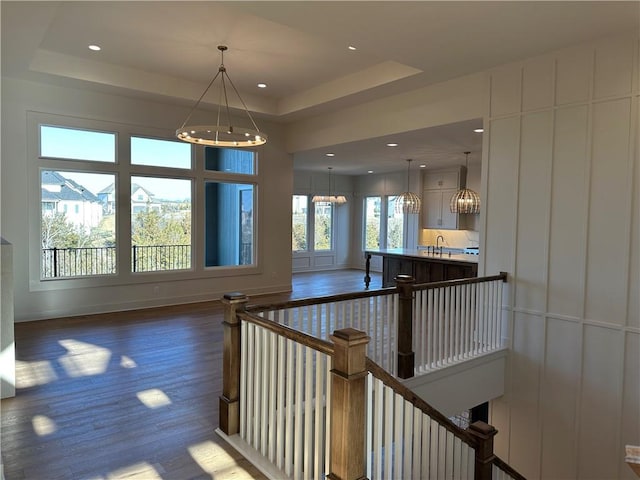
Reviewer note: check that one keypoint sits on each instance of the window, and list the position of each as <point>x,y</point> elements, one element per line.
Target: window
<point>84,229</point>
<point>160,153</point>
<point>299,223</point>
<point>78,241</point>
<point>323,226</point>
<point>379,234</point>
<point>311,226</point>
<point>228,224</point>
<point>372,222</point>
<point>229,160</point>
<point>395,225</point>
<point>76,144</point>
<point>160,224</point>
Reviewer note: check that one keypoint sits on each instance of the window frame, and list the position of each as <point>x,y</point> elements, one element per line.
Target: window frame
<point>311,227</point>
<point>123,171</point>
<point>384,221</point>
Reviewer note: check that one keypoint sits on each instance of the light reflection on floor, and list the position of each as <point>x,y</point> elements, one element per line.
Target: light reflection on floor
<point>84,359</point>
<point>43,425</point>
<point>31,374</point>
<point>153,398</point>
<point>215,460</point>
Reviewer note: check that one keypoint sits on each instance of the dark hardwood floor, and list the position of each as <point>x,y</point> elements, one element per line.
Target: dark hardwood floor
<point>130,395</point>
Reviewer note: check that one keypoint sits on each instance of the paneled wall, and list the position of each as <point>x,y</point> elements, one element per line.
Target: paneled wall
<point>561,177</point>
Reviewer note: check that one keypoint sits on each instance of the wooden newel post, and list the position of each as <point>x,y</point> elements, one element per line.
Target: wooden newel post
<point>406,356</point>
<point>348,405</point>
<point>483,434</point>
<point>230,398</point>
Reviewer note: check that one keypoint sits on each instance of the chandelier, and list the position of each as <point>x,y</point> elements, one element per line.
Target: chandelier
<point>331,198</point>
<point>465,200</point>
<point>219,135</point>
<point>408,202</point>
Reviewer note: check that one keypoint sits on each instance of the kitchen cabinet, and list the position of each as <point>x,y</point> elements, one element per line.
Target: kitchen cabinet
<point>438,188</point>
<point>422,266</point>
<point>436,212</point>
<point>425,270</point>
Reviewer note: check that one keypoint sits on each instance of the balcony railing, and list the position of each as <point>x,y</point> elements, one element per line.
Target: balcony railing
<point>88,261</point>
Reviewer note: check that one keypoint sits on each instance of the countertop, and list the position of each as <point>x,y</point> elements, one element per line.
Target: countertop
<point>423,255</point>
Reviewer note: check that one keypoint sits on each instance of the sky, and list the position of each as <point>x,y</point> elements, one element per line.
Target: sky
<point>57,142</point>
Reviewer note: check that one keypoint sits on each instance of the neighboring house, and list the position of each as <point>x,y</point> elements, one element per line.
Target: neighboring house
<point>142,200</point>
<point>63,195</point>
<point>108,198</point>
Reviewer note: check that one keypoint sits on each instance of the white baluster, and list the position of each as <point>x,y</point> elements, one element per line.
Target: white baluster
<point>318,442</point>
<point>442,452</point>
<point>297,420</point>
<point>388,436</point>
<point>398,416</point>
<point>251,403</point>
<point>308,412</point>
<point>434,450</point>
<point>407,440</point>
<point>327,420</point>
<point>282,405</point>
<point>243,379</point>
<point>289,424</point>
<point>377,428</point>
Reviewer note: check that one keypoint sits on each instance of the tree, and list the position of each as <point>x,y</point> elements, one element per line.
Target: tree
<point>322,232</point>
<point>161,232</point>
<point>58,232</point>
<point>394,232</point>
<point>373,233</point>
<point>298,237</point>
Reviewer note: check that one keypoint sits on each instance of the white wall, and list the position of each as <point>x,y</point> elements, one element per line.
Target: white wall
<point>439,104</point>
<point>561,178</point>
<point>35,299</point>
<point>7,343</point>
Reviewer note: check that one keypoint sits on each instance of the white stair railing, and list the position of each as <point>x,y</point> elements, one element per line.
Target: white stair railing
<point>405,442</point>
<point>285,401</point>
<point>300,407</point>
<point>374,314</point>
<point>453,323</point>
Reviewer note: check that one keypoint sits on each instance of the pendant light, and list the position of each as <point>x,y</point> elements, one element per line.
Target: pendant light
<point>218,135</point>
<point>331,198</point>
<point>408,202</point>
<point>465,200</point>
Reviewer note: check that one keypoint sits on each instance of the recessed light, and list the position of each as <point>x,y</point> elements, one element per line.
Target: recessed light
<point>369,171</point>
<point>478,130</point>
<point>351,47</point>
<point>95,48</point>
<point>330,154</point>
<point>262,85</point>
<point>423,166</point>
<point>392,144</point>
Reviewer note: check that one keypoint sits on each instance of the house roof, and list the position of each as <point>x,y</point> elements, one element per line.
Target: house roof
<point>70,190</point>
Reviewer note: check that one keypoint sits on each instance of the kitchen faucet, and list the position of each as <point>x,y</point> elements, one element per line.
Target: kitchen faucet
<point>438,242</point>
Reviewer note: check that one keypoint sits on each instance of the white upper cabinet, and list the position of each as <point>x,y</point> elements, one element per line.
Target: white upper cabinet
<point>438,188</point>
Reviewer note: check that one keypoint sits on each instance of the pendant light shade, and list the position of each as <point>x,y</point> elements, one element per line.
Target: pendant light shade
<point>408,202</point>
<point>465,200</point>
<point>227,134</point>
<point>331,198</point>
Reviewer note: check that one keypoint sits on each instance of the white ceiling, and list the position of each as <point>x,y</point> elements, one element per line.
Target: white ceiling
<point>167,51</point>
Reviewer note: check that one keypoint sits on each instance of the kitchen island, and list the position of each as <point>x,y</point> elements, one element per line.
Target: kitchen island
<point>422,265</point>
